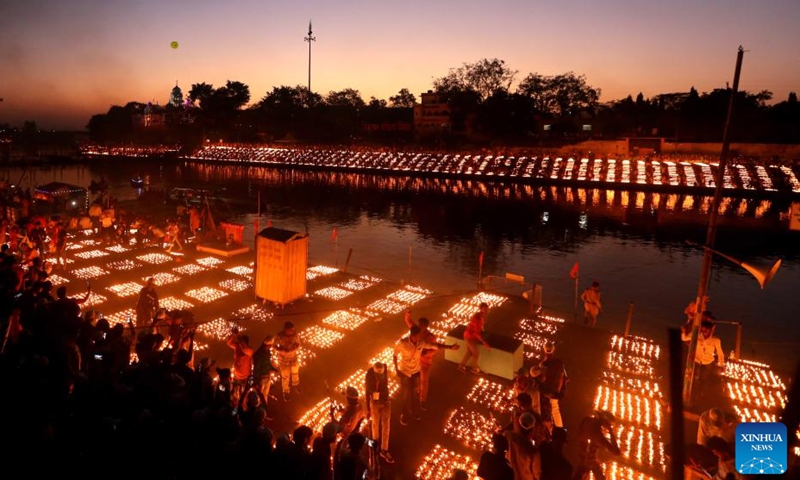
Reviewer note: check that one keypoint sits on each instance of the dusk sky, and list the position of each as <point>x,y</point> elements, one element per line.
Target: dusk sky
<point>61,61</point>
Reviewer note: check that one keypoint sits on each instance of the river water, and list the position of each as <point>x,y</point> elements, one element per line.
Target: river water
<point>432,232</point>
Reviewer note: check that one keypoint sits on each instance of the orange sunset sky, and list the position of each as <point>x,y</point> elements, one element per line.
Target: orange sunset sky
<point>63,61</point>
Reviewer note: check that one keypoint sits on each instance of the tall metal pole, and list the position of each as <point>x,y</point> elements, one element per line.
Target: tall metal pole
<point>705,273</point>
<point>310,38</point>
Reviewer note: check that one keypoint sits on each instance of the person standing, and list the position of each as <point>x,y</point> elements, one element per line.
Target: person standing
<point>407,355</point>
<point>287,344</point>
<point>553,384</point>
<point>242,362</point>
<point>494,465</point>
<point>426,359</point>
<point>709,360</point>
<point>147,305</point>
<point>522,452</point>
<point>379,406</point>
<point>472,336</point>
<point>591,304</point>
<point>263,367</point>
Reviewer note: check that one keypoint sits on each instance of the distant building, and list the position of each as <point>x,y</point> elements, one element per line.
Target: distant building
<point>176,97</point>
<point>432,116</point>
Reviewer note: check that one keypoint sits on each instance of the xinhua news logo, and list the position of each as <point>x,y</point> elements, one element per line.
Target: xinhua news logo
<point>761,448</point>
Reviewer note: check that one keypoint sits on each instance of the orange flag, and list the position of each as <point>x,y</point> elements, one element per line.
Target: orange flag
<point>334,234</point>
<point>574,272</point>
<point>480,260</point>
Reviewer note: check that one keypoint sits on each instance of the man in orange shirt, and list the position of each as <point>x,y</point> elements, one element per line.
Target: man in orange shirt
<point>242,361</point>
<point>472,336</point>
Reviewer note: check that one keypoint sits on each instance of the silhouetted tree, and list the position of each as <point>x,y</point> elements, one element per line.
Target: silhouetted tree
<point>403,99</point>
<point>564,95</point>
<point>484,77</point>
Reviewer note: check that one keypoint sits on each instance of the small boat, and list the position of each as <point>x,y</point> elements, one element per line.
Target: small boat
<point>137,182</point>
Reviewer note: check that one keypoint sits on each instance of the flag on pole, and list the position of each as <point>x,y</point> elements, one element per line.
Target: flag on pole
<point>574,272</point>
<point>480,260</point>
<point>334,234</point>
<point>269,223</point>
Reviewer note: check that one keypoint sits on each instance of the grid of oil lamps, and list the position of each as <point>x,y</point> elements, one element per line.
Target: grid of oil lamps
<point>406,296</point>
<point>492,395</point>
<point>117,249</point>
<point>241,270</point>
<point>630,364</point>
<point>641,446</point>
<point>349,319</point>
<point>753,372</point>
<point>333,293</point>
<point>162,278</point>
<point>617,171</point>
<point>636,346</point>
<point>88,273</point>
<point>122,317</point>
<point>254,312</point>
<point>471,428</point>
<point>440,463</point>
<point>91,254</point>
<point>620,381</point>
<point>209,261</point>
<point>321,337</point>
<point>386,306</point>
<point>317,416</point>
<point>189,269</point>
<point>123,265</point>
<point>57,279</point>
<point>172,303</point>
<point>206,294</point>
<point>615,471</point>
<point>319,271</point>
<point>219,328</point>
<point>235,285</point>
<point>544,325</point>
<point>126,289</point>
<point>154,258</point>
<point>94,299</point>
<point>356,284</point>
<point>469,305</point>
<point>629,407</point>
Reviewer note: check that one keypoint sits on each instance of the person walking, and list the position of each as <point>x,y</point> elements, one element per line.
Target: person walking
<point>472,336</point>
<point>287,344</point>
<point>407,355</point>
<point>379,407</point>
<point>591,304</point>
<point>553,385</point>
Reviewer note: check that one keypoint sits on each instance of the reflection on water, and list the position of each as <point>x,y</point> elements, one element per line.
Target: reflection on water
<point>432,231</point>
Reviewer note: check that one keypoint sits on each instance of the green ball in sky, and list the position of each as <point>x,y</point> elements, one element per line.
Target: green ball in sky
<point>174,45</point>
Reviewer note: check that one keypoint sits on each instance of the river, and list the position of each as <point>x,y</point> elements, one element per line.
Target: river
<point>432,231</point>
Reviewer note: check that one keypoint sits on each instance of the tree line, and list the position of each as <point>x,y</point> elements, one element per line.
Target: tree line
<point>484,102</point>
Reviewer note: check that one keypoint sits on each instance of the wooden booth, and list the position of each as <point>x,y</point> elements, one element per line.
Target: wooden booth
<point>281,263</point>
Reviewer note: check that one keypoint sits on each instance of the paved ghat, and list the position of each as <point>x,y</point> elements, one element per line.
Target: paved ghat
<point>349,321</point>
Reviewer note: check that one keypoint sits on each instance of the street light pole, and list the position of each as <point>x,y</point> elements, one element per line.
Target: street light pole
<point>705,273</point>
<point>310,38</point>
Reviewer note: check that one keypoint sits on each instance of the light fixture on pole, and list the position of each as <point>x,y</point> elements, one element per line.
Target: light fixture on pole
<point>761,274</point>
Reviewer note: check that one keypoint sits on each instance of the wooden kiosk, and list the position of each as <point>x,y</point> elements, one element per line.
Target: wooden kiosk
<point>280,266</point>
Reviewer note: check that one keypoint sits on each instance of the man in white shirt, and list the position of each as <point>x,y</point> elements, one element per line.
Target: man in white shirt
<point>709,359</point>
<point>407,364</point>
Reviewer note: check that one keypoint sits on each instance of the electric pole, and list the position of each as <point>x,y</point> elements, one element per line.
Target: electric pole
<point>310,38</point>
<point>705,274</point>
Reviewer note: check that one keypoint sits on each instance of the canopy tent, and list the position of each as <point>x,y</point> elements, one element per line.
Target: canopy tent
<point>62,196</point>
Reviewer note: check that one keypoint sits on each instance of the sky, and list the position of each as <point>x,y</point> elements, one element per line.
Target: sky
<point>62,61</point>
